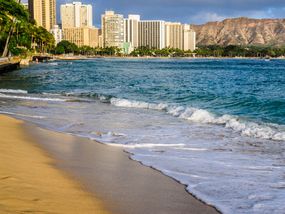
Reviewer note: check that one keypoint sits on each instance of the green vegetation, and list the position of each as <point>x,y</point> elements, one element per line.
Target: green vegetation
<point>214,51</point>
<point>165,52</point>
<point>108,51</point>
<point>66,47</point>
<point>19,32</point>
<point>240,51</point>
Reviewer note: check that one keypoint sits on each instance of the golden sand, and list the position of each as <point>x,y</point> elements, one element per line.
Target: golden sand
<point>28,181</point>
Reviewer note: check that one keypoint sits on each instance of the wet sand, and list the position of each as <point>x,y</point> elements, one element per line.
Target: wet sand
<point>107,172</point>
<point>29,182</point>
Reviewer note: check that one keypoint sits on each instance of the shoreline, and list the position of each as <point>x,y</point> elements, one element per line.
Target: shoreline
<point>107,178</point>
<point>7,64</point>
<point>29,180</point>
<point>129,154</point>
<point>83,57</point>
<point>9,67</point>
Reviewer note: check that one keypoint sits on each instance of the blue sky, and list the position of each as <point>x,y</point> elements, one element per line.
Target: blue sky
<point>187,11</point>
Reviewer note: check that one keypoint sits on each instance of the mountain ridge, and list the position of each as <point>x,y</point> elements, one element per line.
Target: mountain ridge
<point>241,31</point>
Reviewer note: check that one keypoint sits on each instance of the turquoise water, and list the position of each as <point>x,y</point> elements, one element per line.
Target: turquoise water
<point>253,89</point>
<point>217,126</point>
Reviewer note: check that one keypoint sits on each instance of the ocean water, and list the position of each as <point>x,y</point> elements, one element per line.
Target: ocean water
<point>217,126</point>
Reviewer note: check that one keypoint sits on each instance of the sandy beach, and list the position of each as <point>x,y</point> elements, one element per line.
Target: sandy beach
<point>30,184</point>
<point>40,168</point>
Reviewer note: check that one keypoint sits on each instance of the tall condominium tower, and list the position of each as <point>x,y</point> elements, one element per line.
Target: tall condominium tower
<point>131,30</point>
<point>76,15</point>
<point>152,34</point>
<point>189,38</point>
<point>112,29</point>
<point>174,35</point>
<point>43,12</point>
<point>179,36</point>
<point>77,24</point>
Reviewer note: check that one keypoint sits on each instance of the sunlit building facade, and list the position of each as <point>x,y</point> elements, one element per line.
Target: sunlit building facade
<point>76,14</point>
<point>189,38</point>
<point>43,12</point>
<point>180,36</point>
<point>131,30</point>
<point>112,29</point>
<point>151,34</point>
<point>82,36</point>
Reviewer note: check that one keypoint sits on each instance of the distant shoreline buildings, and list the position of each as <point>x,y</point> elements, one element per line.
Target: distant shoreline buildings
<point>116,31</point>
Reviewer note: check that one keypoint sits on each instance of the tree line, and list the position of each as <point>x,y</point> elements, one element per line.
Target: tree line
<point>214,51</point>
<point>19,32</point>
<point>240,51</point>
<point>65,47</point>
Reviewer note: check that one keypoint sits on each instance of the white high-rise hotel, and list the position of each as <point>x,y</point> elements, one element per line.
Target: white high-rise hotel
<point>117,31</point>
<point>112,29</point>
<point>152,34</point>
<point>76,15</point>
<point>77,24</point>
<point>180,36</point>
<point>131,30</point>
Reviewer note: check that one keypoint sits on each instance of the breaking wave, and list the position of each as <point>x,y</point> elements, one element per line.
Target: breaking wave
<point>244,127</point>
<point>13,91</point>
<point>145,145</point>
<point>31,98</point>
<point>196,115</point>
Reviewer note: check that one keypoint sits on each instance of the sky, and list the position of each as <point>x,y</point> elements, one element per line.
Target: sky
<point>186,11</point>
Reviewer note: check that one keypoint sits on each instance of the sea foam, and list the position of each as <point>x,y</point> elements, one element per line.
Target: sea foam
<point>196,115</point>
<point>13,91</point>
<point>8,96</point>
<point>145,145</point>
<point>137,104</point>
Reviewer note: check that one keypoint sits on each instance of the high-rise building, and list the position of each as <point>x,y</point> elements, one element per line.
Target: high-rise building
<point>82,36</point>
<point>180,36</point>
<point>57,33</point>
<point>77,24</point>
<point>86,18</point>
<point>189,38</point>
<point>100,39</point>
<point>131,30</point>
<point>174,35</point>
<point>131,33</point>
<point>112,29</point>
<point>76,15</point>
<point>43,12</point>
<point>152,34</point>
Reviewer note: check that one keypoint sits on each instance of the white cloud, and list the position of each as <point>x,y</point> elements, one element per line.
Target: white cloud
<point>204,17</point>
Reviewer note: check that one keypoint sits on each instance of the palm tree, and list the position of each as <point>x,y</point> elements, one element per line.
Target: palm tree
<point>15,11</point>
